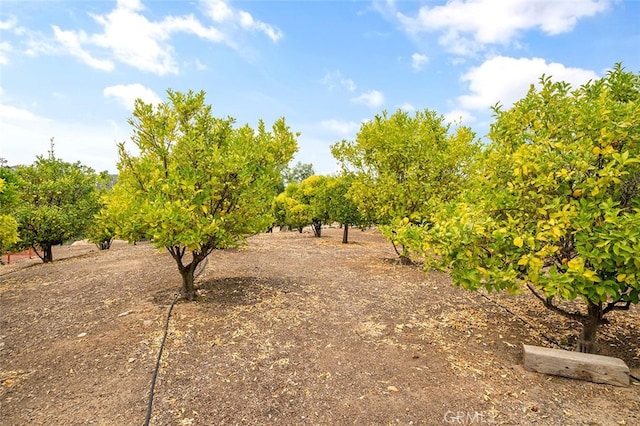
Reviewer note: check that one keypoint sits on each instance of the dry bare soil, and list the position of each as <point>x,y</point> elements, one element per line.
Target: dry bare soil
<point>290,329</point>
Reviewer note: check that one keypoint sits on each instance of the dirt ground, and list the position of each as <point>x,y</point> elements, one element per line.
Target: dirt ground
<point>290,329</point>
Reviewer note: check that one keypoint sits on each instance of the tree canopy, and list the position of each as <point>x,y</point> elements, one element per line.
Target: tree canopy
<point>290,210</point>
<point>8,201</point>
<point>57,203</point>
<point>405,166</point>
<point>340,206</point>
<point>555,204</point>
<point>198,183</point>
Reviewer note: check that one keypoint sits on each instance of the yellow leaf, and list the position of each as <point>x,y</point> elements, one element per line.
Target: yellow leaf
<point>621,277</point>
<point>591,276</point>
<point>518,242</point>
<point>575,264</point>
<point>524,261</point>
<point>595,150</point>
<point>204,208</point>
<point>531,242</point>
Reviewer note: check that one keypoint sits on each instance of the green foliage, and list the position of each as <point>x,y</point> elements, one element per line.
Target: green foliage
<point>198,183</point>
<point>405,167</point>
<point>302,204</point>
<point>340,206</point>
<point>290,210</point>
<point>102,230</point>
<point>57,203</point>
<point>299,172</point>
<point>296,174</point>
<point>8,224</point>
<point>313,193</point>
<point>555,204</point>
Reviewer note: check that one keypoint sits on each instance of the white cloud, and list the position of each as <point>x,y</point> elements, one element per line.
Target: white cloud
<point>418,61</point>
<point>199,65</point>
<point>9,23</point>
<point>219,11</point>
<point>466,26</point>
<point>72,42</point>
<point>5,49</point>
<point>372,99</point>
<point>8,112</point>
<point>505,80</point>
<point>5,46</point>
<point>248,23</point>
<point>335,79</point>
<point>340,127</point>
<point>407,107</point>
<point>92,144</point>
<point>134,40</point>
<point>128,36</point>
<point>127,94</point>
<point>459,116</point>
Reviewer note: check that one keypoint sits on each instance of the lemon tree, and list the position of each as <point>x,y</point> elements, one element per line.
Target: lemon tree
<point>8,200</point>
<point>404,166</point>
<point>57,203</point>
<point>555,206</point>
<point>289,209</point>
<point>197,183</point>
<point>340,207</point>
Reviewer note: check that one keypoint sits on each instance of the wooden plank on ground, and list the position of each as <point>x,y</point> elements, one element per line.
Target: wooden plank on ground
<point>576,365</point>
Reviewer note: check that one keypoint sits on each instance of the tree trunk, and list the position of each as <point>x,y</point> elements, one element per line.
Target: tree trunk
<point>187,272</point>
<point>104,245</point>
<point>317,227</point>
<point>587,340</point>
<point>47,254</point>
<point>345,234</point>
<point>404,256</point>
<point>188,287</point>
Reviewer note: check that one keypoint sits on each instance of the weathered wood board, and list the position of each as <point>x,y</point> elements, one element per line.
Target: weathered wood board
<point>576,365</point>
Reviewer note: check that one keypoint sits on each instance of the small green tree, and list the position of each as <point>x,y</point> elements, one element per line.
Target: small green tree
<point>58,202</point>
<point>293,174</point>
<point>8,200</point>
<point>340,206</point>
<point>102,230</point>
<point>198,183</point>
<point>299,172</point>
<point>555,207</point>
<point>404,167</point>
<point>313,193</point>
<point>289,209</point>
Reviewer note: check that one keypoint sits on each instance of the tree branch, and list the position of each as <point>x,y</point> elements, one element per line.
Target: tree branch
<point>613,306</point>
<point>549,305</point>
<point>33,246</point>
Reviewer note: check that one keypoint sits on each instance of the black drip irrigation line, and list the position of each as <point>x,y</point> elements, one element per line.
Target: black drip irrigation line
<point>545,336</point>
<point>548,338</point>
<point>155,372</point>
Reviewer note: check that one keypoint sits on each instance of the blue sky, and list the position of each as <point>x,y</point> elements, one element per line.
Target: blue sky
<point>71,69</point>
